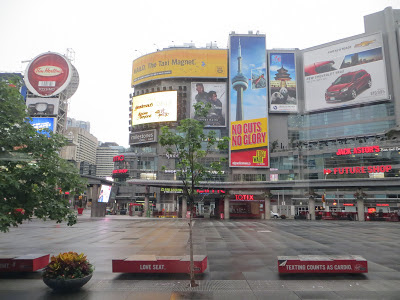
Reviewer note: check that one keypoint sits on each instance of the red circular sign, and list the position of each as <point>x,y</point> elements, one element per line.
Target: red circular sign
<point>48,74</point>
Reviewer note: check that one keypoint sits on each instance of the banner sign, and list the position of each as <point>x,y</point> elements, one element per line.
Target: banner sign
<point>140,137</point>
<point>282,82</point>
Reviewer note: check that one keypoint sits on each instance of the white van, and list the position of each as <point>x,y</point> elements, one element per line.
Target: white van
<point>274,215</point>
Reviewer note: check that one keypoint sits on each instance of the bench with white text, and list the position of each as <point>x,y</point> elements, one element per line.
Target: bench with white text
<point>23,263</point>
<point>322,264</point>
<point>159,264</point>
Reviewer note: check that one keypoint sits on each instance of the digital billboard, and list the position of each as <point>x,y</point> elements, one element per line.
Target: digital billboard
<point>42,106</point>
<point>345,73</point>
<point>105,192</point>
<point>44,123</point>
<point>248,97</point>
<point>282,82</point>
<point>154,107</point>
<point>215,94</point>
<point>172,63</point>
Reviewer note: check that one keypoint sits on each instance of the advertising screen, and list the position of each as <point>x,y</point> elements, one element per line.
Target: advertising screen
<point>215,94</point>
<point>172,63</point>
<point>42,106</point>
<point>346,73</point>
<point>282,82</point>
<point>248,98</point>
<point>44,123</point>
<point>154,107</point>
<point>105,192</point>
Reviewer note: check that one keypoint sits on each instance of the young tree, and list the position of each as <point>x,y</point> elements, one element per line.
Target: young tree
<point>191,144</point>
<point>33,177</point>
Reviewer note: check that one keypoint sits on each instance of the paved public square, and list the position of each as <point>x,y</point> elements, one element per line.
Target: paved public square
<point>242,258</point>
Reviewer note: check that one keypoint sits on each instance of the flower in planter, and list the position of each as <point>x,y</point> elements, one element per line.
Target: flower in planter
<point>68,265</point>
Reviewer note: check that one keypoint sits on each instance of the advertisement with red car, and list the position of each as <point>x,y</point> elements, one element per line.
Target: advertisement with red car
<point>345,73</point>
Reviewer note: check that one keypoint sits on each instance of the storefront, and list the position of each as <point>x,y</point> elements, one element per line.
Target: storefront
<point>246,206</point>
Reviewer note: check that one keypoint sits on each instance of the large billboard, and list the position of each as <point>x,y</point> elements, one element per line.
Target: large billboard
<point>172,63</point>
<point>154,108</point>
<point>215,94</point>
<point>345,73</point>
<point>49,74</point>
<point>42,106</point>
<point>249,143</point>
<point>282,82</point>
<point>248,98</point>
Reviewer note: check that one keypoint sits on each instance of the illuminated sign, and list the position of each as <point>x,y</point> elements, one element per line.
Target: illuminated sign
<point>172,63</point>
<point>211,191</point>
<point>44,123</point>
<point>348,204</point>
<point>118,158</point>
<point>359,170</point>
<point>120,171</point>
<point>382,204</point>
<point>104,193</point>
<point>171,190</point>
<point>154,107</point>
<point>358,150</point>
<point>244,197</point>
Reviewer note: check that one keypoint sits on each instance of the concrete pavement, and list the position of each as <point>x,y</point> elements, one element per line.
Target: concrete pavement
<point>242,258</point>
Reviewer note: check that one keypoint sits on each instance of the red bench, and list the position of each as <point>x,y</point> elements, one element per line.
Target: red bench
<point>322,264</point>
<point>23,263</point>
<point>159,264</point>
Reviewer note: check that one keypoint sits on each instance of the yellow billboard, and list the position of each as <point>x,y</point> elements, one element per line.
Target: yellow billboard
<point>248,134</point>
<point>199,63</point>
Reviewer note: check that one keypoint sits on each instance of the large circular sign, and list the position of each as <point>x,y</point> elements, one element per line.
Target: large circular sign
<point>48,74</point>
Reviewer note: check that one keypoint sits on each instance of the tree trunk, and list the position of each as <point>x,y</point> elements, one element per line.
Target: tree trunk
<point>192,279</point>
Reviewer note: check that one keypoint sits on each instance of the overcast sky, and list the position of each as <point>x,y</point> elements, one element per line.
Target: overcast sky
<point>107,36</point>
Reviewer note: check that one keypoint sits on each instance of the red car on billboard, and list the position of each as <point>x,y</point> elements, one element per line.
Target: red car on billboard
<point>348,86</point>
<point>319,67</point>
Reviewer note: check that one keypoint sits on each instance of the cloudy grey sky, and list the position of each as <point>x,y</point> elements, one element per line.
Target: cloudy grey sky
<point>107,36</point>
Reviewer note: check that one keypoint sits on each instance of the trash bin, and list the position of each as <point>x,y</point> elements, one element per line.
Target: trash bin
<point>221,215</point>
